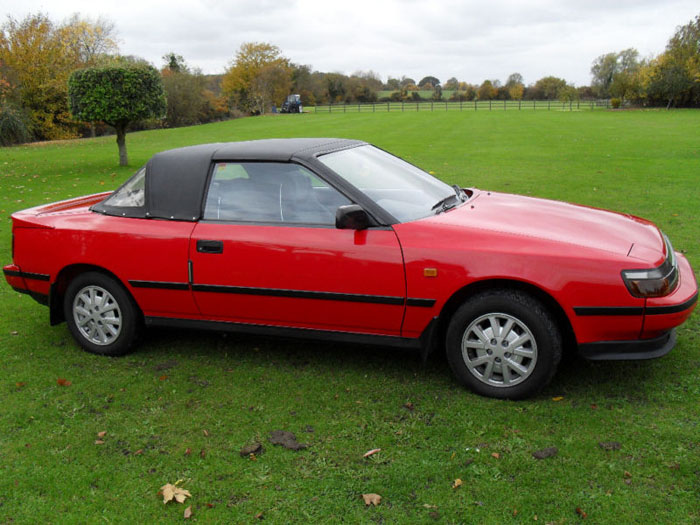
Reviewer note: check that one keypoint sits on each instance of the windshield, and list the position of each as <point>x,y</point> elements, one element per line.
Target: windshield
<point>403,190</point>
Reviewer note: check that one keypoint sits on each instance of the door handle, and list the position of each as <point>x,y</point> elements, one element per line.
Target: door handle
<point>204,246</point>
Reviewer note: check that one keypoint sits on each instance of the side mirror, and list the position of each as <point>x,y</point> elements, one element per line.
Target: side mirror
<point>351,217</point>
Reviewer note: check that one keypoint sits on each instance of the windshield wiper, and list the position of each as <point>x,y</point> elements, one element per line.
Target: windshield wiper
<point>460,192</point>
<point>450,201</point>
<point>445,204</point>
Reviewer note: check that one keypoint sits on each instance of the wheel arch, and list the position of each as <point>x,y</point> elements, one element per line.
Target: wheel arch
<point>64,278</point>
<point>462,294</point>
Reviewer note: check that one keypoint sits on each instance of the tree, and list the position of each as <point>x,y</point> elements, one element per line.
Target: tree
<point>428,82</point>
<point>682,63</point>
<point>243,78</point>
<point>90,40</point>
<point>568,94</point>
<point>117,95</point>
<point>608,68</point>
<point>602,71</point>
<point>487,91</point>
<point>187,102</point>
<point>40,62</point>
<point>38,56</point>
<point>407,81</point>
<point>175,63</point>
<point>669,81</point>
<point>437,93</point>
<point>546,88</point>
<point>513,79</point>
<point>270,86</point>
<point>515,86</point>
<point>452,83</point>
<point>335,87</point>
<point>393,84</point>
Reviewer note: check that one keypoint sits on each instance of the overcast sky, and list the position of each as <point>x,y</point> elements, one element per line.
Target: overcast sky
<point>470,40</point>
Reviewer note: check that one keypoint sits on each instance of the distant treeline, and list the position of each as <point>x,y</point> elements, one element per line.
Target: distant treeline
<point>38,55</point>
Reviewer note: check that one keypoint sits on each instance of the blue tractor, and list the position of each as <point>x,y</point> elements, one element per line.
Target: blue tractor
<point>292,104</point>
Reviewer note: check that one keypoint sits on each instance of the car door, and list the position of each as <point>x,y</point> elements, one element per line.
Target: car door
<point>267,253</point>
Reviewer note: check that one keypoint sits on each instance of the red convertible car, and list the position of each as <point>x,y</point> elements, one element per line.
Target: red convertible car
<point>337,239</point>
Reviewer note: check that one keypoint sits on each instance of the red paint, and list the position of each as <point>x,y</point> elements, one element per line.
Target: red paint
<point>572,253</point>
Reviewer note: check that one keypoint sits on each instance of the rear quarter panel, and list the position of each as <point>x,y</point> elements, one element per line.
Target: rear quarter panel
<point>131,249</point>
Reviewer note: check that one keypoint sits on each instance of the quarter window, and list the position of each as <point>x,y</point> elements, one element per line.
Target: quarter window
<point>132,194</point>
<point>270,192</point>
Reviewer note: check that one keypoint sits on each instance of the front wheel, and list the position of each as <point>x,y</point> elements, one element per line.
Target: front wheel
<point>503,344</point>
<point>100,314</point>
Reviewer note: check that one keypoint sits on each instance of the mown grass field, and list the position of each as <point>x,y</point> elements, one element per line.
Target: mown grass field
<point>211,394</point>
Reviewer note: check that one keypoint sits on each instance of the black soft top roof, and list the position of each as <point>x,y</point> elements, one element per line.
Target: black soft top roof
<point>176,179</point>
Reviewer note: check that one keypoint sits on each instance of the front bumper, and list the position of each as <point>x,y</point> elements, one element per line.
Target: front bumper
<point>629,350</point>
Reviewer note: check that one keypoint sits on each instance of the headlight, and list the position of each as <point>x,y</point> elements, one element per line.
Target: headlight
<point>655,282</point>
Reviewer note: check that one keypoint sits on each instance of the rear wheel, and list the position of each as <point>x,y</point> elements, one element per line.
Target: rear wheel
<point>100,314</point>
<point>504,344</point>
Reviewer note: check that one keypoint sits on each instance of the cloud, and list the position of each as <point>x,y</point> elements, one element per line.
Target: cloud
<point>470,40</point>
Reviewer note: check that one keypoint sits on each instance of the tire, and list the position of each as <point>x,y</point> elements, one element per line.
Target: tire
<point>514,363</point>
<point>100,314</point>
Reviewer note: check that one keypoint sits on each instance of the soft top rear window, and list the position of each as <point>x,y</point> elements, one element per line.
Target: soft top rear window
<point>132,194</point>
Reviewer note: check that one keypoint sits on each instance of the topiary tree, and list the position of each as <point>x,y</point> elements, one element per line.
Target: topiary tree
<point>117,96</point>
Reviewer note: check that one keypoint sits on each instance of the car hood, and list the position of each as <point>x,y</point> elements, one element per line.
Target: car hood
<point>556,221</point>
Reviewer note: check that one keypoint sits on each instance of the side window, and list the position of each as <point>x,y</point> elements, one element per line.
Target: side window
<point>270,192</point>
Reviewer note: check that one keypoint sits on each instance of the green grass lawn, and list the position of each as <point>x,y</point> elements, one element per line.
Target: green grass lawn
<point>211,393</point>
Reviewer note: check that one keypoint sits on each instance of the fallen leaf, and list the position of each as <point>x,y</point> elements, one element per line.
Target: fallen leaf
<point>252,449</point>
<point>63,382</point>
<point>188,513</point>
<point>581,513</point>
<point>594,406</point>
<point>408,405</point>
<point>627,474</point>
<point>495,455</point>
<point>545,453</point>
<point>188,451</point>
<point>20,384</point>
<point>557,398</point>
<point>202,453</point>
<point>515,512</point>
<point>372,499</point>
<point>259,516</point>
<point>457,483</point>
<point>163,378</point>
<point>609,445</point>
<point>171,492</point>
<point>14,332</point>
<point>429,506</point>
<point>628,481</point>
<point>286,439</point>
<point>371,452</point>
<point>102,434</point>
<point>138,452</point>
<point>99,442</point>
<point>205,432</point>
